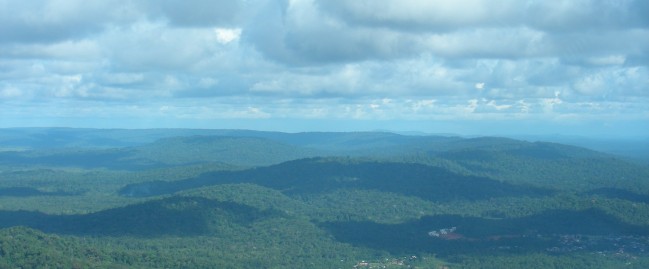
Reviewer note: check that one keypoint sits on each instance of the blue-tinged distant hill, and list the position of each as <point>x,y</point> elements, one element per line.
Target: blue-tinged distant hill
<point>241,151</point>
<point>350,142</point>
<point>546,164</point>
<point>181,198</point>
<point>539,163</point>
<point>633,148</point>
<point>44,138</point>
<point>175,151</point>
<point>136,149</point>
<point>47,138</point>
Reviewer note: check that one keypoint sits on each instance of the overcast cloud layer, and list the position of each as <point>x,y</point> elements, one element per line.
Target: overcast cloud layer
<point>573,67</point>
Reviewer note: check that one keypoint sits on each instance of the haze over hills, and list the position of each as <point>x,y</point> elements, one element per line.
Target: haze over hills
<point>352,134</point>
<point>249,199</point>
<point>43,138</point>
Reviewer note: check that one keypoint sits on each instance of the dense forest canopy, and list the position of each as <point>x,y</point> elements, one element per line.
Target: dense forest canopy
<point>92,198</point>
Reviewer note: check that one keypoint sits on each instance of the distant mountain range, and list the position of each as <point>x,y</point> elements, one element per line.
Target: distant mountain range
<point>43,138</point>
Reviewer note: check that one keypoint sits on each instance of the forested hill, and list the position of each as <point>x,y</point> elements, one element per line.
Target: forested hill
<point>543,164</point>
<point>354,143</point>
<point>320,175</point>
<point>160,144</point>
<point>242,151</point>
<point>40,138</point>
<point>166,152</point>
<point>179,198</point>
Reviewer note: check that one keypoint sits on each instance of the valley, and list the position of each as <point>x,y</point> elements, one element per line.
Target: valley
<point>174,198</point>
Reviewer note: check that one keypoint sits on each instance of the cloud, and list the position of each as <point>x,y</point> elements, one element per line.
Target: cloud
<point>9,92</point>
<point>444,16</point>
<point>298,33</point>
<point>315,59</point>
<point>419,15</point>
<point>227,35</point>
<point>46,21</point>
<point>194,13</point>
<point>146,46</point>
<point>613,83</point>
<point>322,32</point>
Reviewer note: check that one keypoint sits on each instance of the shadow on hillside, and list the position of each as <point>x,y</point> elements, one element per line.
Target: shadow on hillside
<point>179,216</point>
<point>479,236</point>
<point>308,176</point>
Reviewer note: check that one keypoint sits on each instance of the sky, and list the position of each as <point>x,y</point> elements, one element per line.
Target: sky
<point>496,67</point>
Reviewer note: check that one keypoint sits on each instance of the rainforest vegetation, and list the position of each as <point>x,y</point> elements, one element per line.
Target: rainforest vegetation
<point>183,198</point>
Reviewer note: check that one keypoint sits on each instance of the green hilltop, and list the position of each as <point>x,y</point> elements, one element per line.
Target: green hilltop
<point>182,198</point>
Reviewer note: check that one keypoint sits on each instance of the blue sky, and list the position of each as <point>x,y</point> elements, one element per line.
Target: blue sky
<point>577,67</point>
